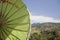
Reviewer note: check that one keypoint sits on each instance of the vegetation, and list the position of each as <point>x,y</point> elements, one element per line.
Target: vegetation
<point>47,31</point>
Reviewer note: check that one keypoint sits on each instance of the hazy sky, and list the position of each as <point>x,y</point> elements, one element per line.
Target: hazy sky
<point>46,10</point>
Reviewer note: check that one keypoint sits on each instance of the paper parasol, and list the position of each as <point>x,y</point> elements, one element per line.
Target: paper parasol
<point>14,20</point>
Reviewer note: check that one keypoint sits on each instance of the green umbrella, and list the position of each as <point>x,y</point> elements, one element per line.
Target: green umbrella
<point>14,20</point>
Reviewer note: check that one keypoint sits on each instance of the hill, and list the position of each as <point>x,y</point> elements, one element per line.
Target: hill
<point>45,31</point>
<point>45,25</point>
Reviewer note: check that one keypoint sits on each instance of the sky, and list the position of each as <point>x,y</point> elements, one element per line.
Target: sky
<point>43,10</point>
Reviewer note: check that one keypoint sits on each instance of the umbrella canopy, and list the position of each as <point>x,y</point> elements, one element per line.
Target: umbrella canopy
<point>14,20</point>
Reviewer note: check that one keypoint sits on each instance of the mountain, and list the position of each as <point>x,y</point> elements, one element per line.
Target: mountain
<point>47,25</point>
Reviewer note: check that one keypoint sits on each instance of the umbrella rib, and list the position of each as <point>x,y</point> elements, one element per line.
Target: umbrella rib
<point>2,35</point>
<point>6,34</point>
<point>17,18</point>
<point>5,9</point>
<point>13,4</point>
<point>18,24</point>
<point>1,8</point>
<point>12,38</point>
<point>17,29</point>
<point>15,12</point>
<point>10,9</point>
<point>12,34</point>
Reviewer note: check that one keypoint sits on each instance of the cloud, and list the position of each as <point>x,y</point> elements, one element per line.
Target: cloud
<point>42,19</point>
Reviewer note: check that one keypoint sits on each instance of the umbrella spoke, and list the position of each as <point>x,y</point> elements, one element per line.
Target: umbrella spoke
<point>13,4</point>
<point>17,24</point>
<point>15,12</point>
<point>10,9</point>
<point>1,8</point>
<point>2,34</point>
<point>12,34</point>
<point>6,34</point>
<point>5,9</point>
<point>17,29</point>
<point>17,18</point>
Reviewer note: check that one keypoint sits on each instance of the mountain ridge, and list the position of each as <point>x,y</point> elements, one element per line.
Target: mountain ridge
<point>46,25</point>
